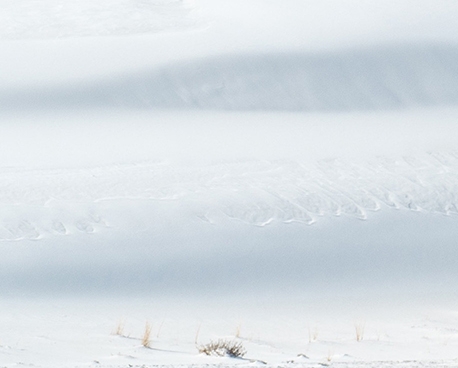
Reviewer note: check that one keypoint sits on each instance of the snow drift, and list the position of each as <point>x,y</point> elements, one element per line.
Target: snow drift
<point>376,78</point>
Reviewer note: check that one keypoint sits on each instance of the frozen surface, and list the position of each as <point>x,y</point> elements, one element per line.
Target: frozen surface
<point>283,173</point>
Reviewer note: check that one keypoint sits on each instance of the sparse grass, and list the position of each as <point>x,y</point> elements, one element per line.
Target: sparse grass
<point>196,339</point>
<point>359,330</point>
<point>146,339</point>
<point>238,330</point>
<point>119,330</point>
<point>160,328</point>
<point>313,334</point>
<point>221,348</point>
<point>330,356</point>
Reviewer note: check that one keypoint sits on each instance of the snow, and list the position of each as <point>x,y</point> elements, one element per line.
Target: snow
<point>25,19</point>
<point>281,173</point>
<point>381,78</point>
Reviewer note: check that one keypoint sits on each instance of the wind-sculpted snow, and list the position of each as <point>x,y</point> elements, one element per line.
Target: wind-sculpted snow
<point>38,202</point>
<point>352,364</point>
<point>388,77</point>
<point>24,19</point>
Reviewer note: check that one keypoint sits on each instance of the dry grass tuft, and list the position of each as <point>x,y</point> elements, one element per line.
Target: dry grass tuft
<point>160,328</point>
<point>221,348</point>
<point>238,330</point>
<point>119,330</point>
<point>359,330</point>
<point>313,334</point>
<point>196,339</point>
<point>146,341</point>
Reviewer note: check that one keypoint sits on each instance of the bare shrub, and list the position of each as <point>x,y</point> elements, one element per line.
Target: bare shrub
<point>221,348</point>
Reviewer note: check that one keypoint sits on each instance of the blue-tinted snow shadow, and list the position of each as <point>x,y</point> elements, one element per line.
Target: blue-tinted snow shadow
<point>411,252</point>
<point>377,78</point>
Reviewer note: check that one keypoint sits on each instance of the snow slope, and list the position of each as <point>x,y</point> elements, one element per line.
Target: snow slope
<point>276,172</point>
<point>375,78</point>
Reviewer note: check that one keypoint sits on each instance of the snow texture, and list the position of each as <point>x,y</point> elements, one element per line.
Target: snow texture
<point>258,193</point>
<point>27,19</point>
<point>279,173</point>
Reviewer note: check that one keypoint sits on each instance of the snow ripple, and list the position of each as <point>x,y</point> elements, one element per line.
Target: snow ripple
<point>254,192</point>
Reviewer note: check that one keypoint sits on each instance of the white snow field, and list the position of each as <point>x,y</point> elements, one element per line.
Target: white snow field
<point>279,173</point>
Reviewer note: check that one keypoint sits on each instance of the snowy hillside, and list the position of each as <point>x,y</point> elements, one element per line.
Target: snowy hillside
<point>281,173</point>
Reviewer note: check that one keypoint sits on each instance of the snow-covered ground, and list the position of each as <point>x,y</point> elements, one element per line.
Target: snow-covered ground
<point>282,173</point>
